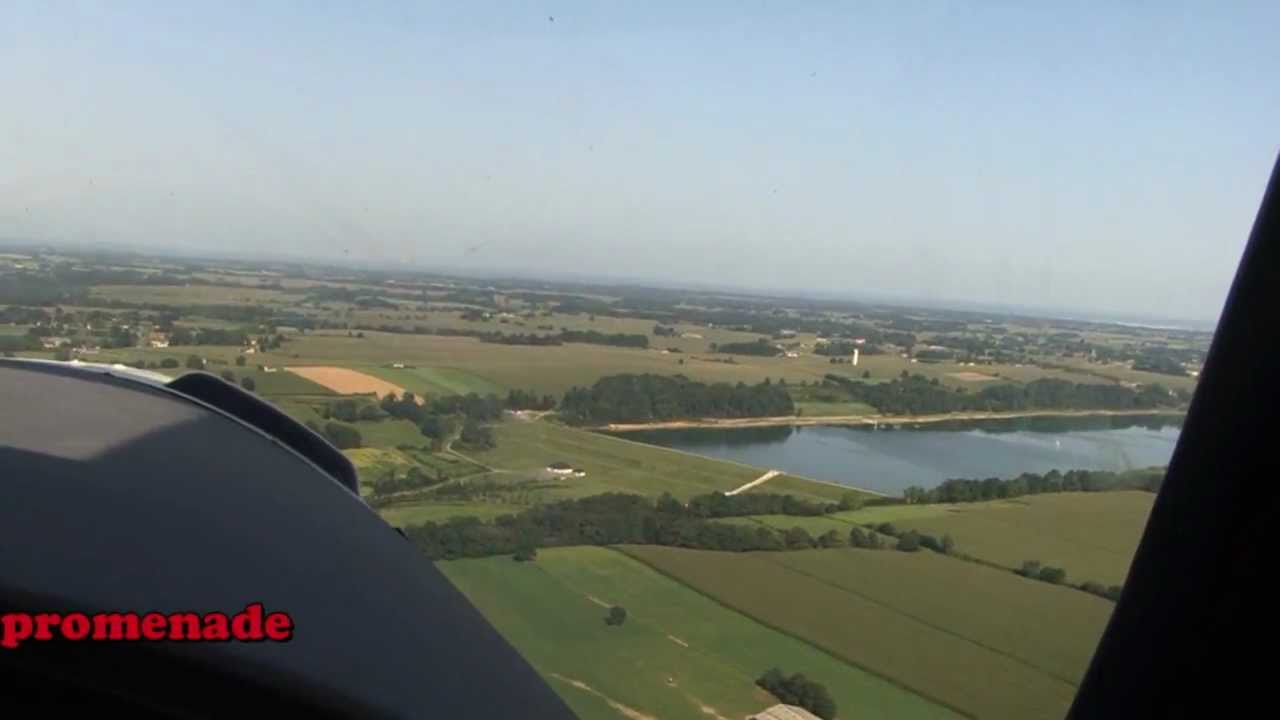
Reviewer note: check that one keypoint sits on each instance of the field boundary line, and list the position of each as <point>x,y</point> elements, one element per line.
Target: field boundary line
<point>839,658</point>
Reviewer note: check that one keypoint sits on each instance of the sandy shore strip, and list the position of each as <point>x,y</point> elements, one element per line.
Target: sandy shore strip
<point>894,420</point>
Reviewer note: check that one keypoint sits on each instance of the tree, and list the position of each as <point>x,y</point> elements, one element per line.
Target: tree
<point>195,362</point>
<point>866,374</point>
<point>371,412</point>
<point>526,552</point>
<point>830,539</point>
<point>239,361</point>
<point>857,538</point>
<point>247,383</point>
<point>1054,575</point>
<point>909,541</point>
<point>343,436</point>
<point>617,615</point>
<point>1030,568</point>
<point>62,354</point>
<point>851,501</point>
<point>229,376</point>
<point>344,410</point>
<point>169,363</point>
<point>799,690</point>
<point>948,544</point>
<point>797,538</point>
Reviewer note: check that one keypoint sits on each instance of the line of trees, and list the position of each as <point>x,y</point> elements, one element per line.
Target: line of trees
<point>616,518</point>
<point>916,395</point>
<point>761,346</point>
<point>207,336</point>
<point>962,490</point>
<point>342,435</point>
<point>799,690</point>
<point>526,400</point>
<point>1033,570</point>
<point>641,398</point>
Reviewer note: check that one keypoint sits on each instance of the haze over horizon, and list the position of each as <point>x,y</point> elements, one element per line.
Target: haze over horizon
<point>1104,159</point>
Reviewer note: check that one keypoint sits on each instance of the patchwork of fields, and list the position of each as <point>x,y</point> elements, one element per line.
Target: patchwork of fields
<point>1092,536</point>
<point>982,641</point>
<point>678,655</point>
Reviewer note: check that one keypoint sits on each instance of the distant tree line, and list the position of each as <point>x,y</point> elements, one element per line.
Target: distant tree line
<point>640,398</point>
<point>800,691</point>
<point>846,347</point>
<point>916,395</point>
<point>342,435</point>
<point>962,490</point>
<point>762,347</point>
<point>526,400</point>
<point>207,336</point>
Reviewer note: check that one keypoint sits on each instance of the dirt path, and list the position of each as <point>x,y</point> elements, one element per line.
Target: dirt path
<point>896,420</point>
<point>627,711</point>
<point>598,601</point>
<point>677,641</point>
<point>758,481</point>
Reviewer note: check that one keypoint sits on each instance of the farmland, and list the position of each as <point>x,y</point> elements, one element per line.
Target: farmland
<point>1092,536</point>
<point>1023,645</point>
<point>679,654</point>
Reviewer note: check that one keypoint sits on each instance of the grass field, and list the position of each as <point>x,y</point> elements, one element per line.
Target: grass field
<point>679,654</point>
<point>810,408</point>
<point>419,513</point>
<point>1092,536</point>
<point>981,640</point>
<point>390,433</point>
<point>618,465</point>
<point>430,381</point>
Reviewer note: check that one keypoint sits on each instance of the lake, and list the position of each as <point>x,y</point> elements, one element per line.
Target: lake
<point>888,461</point>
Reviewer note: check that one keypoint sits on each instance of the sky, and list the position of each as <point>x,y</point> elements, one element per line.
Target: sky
<point>1094,157</point>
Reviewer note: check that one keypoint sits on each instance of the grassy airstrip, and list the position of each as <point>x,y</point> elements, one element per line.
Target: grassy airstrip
<point>679,654</point>
<point>983,641</point>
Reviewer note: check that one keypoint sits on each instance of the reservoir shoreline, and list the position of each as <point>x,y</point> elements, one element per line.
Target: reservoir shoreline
<point>872,420</point>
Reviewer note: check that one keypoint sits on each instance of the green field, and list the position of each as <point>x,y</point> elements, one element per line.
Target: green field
<point>1092,536</point>
<point>419,513</point>
<point>830,409</point>
<point>390,433</point>
<point>618,465</point>
<point>430,381</point>
<point>679,654</point>
<point>982,640</point>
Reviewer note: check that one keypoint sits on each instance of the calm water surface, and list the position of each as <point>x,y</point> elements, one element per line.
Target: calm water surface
<point>890,460</point>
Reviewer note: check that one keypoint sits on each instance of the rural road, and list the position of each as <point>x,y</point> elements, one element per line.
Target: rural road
<point>758,481</point>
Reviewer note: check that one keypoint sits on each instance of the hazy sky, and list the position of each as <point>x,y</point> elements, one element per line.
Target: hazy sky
<point>1101,156</point>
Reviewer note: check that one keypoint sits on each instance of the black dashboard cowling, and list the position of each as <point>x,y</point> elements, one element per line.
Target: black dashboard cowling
<point>125,496</point>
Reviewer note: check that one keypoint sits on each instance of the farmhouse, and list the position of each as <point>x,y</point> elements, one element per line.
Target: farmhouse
<point>784,712</point>
<point>159,339</point>
<point>53,342</point>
